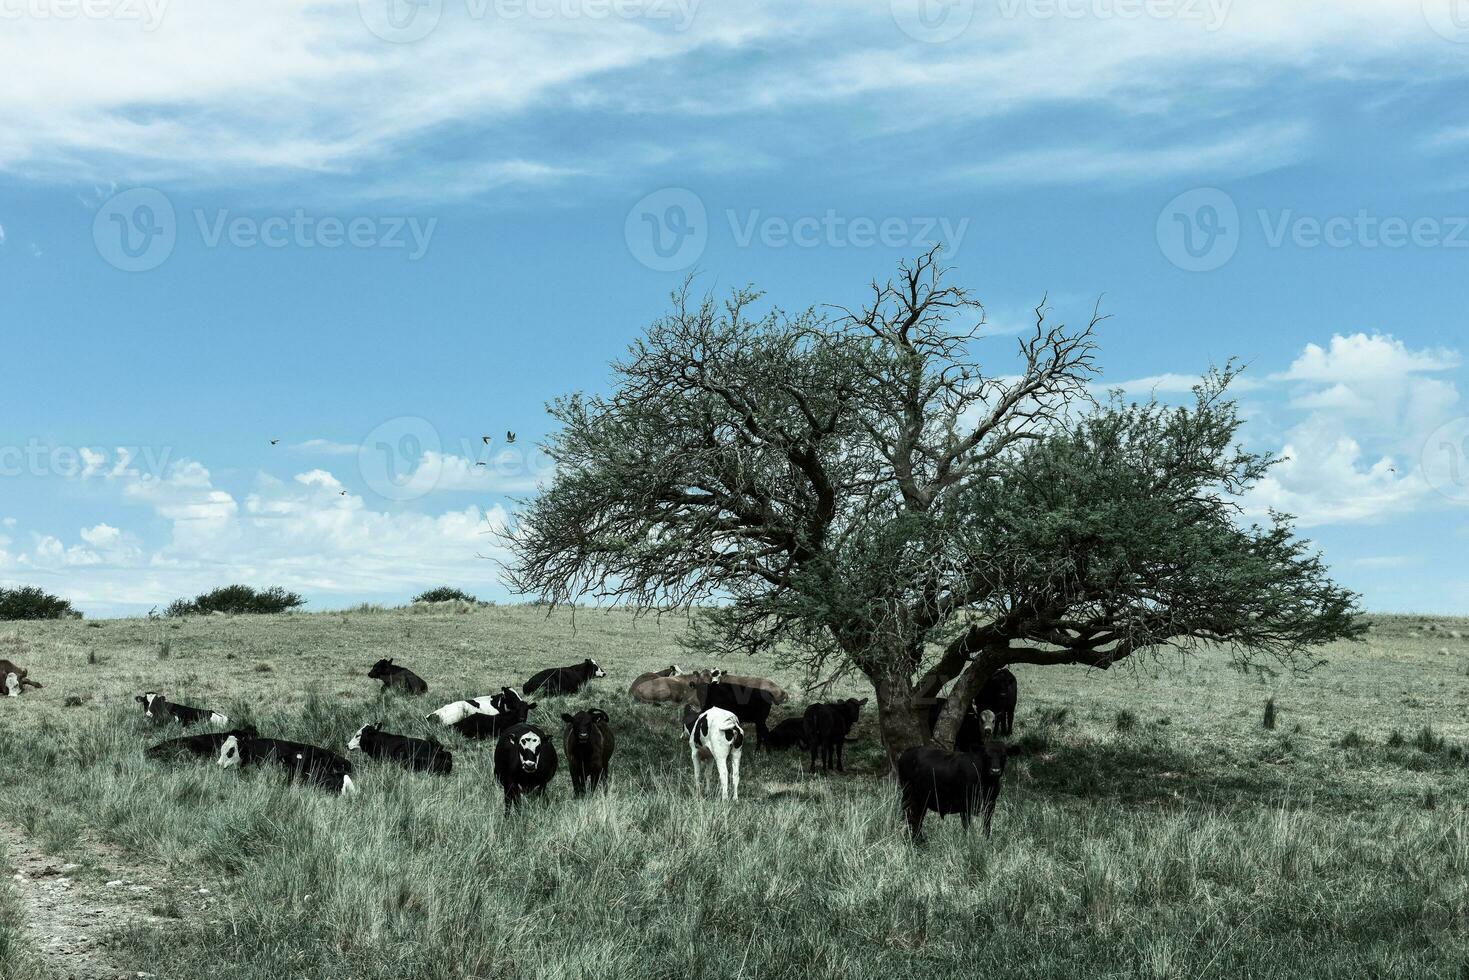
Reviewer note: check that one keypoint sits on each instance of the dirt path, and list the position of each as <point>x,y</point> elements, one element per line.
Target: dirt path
<point>73,911</point>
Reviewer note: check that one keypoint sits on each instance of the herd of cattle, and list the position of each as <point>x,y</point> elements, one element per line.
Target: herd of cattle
<point>716,707</point>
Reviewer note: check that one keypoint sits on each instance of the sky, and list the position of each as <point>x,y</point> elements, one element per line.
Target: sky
<point>272,271</point>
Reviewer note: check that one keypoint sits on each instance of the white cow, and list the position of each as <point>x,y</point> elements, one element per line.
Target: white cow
<point>457,711</point>
<point>716,736</point>
<point>12,685</point>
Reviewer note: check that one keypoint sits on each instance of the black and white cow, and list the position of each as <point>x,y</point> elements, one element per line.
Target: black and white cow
<point>502,712</point>
<point>394,676</point>
<point>525,761</point>
<point>421,755</point>
<point>952,782</point>
<point>306,763</point>
<point>457,711</point>
<point>563,680</point>
<point>12,685</point>
<point>827,728</point>
<point>161,710</point>
<point>589,744</point>
<point>206,746</point>
<point>715,736</point>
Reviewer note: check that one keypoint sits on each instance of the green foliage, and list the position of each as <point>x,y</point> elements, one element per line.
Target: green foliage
<point>29,602</point>
<point>445,593</point>
<point>236,599</point>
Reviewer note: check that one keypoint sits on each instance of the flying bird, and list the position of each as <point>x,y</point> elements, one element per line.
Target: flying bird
<point>480,463</point>
<point>509,437</point>
<point>344,493</point>
<point>274,441</point>
<point>485,440</point>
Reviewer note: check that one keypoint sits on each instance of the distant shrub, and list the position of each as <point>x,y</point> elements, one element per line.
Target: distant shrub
<point>29,602</point>
<point>1395,739</point>
<point>1427,740</point>
<point>1269,720</point>
<point>1351,740</point>
<point>1126,720</point>
<point>445,593</point>
<point>237,599</point>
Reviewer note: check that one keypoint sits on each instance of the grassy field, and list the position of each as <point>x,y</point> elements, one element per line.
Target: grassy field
<point>1151,825</point>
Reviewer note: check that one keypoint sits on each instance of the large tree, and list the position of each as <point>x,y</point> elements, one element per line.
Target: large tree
<point>854,491</point>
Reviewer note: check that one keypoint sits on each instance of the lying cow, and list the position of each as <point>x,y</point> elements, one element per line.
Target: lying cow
<point>420,755</point>
<point>777,693</point>
<point>589,744</point>
<point>306,763</point>
<point>206,746</point>
<point>457,711</point>
<point>498,715</point>
<point>715,736</point>
<point>16,680</point>
<point>525,761</point>
<point>161,711</point>
<point>663,688</point>
<point>563,680</point>
<point>394,676</point>
<point>789,734</point>
<point>951,782</point>
<point>827,728</point>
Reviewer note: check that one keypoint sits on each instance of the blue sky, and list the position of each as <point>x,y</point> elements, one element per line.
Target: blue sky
<point>378,233</point>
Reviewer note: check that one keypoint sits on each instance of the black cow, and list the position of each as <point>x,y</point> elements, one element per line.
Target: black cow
<point>589,744</point>
<point>563,680</point>
<point>789,734</point>
<point>525,761</point>
<point>999,694</point>
<point>400,677</point>
<point>750,704</point>
<point>827,726</point>
<point>206,746</point>
<point>160,710</point>
<point>971,732</point>
<point>421,755</point>
<point>951,782</point>
<point>307,763</point>
<point>509,710</point>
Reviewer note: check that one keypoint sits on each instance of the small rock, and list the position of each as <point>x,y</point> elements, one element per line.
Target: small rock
<point>203,891</point>
<point>114,884</point>
<point>140,888</point>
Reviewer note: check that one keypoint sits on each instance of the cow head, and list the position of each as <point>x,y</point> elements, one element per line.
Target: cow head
<point>355,742</point>
<point>152,702</point>
<point>229,753</point>
<point>715,676</point>
<point>987,722</point>
<point>690,716</point>
<point>12,685</point>
<point>529,745</point>
<point>381,669</point>
<point>850,709</point>
<point>582,726</point>
<point>593,668</point>
<point>670,671</point>
<point>994,753</point>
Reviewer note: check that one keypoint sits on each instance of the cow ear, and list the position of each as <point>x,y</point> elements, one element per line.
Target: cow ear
<point>599,713</point>
<point>139,699</point>
<point>567,718</point>
<point>863,701</point>
<point>529,705</point>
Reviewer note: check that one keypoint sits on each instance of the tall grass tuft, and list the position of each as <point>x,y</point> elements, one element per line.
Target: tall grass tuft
<point>1269,720</point>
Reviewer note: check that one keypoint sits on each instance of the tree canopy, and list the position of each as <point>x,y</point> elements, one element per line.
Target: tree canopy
<point>856,491</point>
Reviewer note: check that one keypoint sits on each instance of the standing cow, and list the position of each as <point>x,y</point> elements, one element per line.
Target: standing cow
<point>952,782</point>
<point>999,694</point>
<point>589,744</point>
<point>525,761</point>
<point>827,727</point>
<point>748,704</point>
<point>715,736</point>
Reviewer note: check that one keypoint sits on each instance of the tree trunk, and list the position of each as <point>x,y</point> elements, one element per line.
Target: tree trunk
<point>979,670</point>
<point>903,724</point>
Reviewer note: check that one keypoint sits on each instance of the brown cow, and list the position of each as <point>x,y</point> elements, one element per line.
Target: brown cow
<point>21,681</point>
<point>662,687</point>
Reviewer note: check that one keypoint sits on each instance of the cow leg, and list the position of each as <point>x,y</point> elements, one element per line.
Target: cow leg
<point>815,748</point>
<point>760,733</point>
<point>698,774</point>
<point>722,762</point>
<point>578,780</point>
<point>990,798</point>
<point>915,811</point>
<point>841,748</point>
<point>735,775</point>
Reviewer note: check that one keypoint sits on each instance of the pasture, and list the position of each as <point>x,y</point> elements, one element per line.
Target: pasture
<point>1150,824</point>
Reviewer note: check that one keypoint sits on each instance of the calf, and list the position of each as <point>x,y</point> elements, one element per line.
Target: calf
<point>307,763</point>
<point>206,746</point>
<point>589,743</point>
<point>525,761</point>
<point>503,712</point>
<point>715,735</point>
<point>999,694</point>
<point>789,734</point>
<point>827,727</point>
<point>7,670</point>
<point>563,680</point>
<point>161,710</point>
<point>400,677</point>
<point>747,703</point>
<point>457,711</point>
<point>951,782</point>
<point>420,755</point>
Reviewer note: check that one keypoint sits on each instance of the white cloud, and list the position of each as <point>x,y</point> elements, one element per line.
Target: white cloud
<point>2,234</point>
<point>326,447</point>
